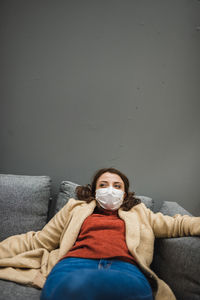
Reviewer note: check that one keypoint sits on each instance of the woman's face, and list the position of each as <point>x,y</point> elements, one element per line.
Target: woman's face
<point>109,179</point>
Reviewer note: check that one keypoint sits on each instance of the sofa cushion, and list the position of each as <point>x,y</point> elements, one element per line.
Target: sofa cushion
<point>172,208</point>
<point>14,291</point>
<point>23,203</point>
<point>177,260</point>
<point>67,191</point>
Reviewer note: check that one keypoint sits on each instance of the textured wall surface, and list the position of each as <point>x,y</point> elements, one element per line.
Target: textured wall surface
<point>91,84</point>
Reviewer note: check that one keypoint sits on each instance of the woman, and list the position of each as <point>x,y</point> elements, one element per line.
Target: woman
<point>97,247</point>
<point>99,264</point>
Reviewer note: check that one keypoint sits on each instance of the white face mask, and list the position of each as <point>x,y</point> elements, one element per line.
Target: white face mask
<point>110,198</point>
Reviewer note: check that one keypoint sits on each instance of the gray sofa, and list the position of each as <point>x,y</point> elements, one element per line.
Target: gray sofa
<point>26,204</point>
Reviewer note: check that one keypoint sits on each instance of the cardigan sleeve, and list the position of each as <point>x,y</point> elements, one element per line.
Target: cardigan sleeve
<point>176,226</point>
<point>47,238</point>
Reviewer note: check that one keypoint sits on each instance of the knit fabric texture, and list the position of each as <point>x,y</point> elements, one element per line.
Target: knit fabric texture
<point>102,235</point>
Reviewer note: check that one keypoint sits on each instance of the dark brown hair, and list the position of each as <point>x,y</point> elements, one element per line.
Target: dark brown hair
<point>87,192</point>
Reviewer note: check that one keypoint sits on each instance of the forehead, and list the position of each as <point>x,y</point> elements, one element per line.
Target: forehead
<point>110,177</point>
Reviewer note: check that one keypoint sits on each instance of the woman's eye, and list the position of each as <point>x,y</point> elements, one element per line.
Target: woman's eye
<point>101,184</point>
<point>118,186</point>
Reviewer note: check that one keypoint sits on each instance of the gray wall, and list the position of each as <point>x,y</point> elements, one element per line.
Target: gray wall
<point>91,84</point>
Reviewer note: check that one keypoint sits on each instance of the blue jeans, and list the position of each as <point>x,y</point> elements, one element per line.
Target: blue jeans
<point>95,279</point>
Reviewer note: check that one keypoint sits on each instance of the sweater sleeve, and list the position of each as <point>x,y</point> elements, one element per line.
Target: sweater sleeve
<point>176,226</point>
<point>48,237</point>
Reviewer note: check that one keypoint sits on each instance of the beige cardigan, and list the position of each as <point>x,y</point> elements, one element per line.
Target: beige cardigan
<point>28,258</point>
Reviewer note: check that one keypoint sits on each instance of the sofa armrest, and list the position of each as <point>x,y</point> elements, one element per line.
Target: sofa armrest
<point>177,260</point>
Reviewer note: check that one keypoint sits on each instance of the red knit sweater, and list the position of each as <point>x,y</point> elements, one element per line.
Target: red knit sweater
<point>102,235</point>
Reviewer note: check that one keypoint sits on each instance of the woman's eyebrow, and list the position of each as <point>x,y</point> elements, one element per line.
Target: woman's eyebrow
<point>107,181</point>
